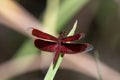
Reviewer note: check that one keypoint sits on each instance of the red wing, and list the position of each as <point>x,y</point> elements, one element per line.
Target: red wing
<point>45,45</point>
<point>72,38</point>
<point>43,35</point>
<point>70,48</point>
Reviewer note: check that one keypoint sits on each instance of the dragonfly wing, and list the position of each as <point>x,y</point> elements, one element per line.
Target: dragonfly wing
<point>45,45</point>
<point>70,48</point>
<point>43,35</point>
<point>74,37</point>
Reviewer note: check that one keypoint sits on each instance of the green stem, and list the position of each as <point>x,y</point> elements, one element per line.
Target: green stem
<point>97,65</point>
<point>53,69</point>
<point>51,16</point>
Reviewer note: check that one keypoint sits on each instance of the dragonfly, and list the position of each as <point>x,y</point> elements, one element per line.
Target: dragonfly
<point>62,44</point>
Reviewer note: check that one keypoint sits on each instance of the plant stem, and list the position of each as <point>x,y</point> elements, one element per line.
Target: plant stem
<point>97,65</point>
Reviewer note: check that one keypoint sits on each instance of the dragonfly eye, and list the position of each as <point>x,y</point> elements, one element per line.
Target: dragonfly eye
<point>62,34</point>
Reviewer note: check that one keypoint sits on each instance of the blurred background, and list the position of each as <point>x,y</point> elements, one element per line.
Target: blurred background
<point>99,19</point>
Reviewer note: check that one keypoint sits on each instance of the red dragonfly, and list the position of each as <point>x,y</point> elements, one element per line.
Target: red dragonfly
<point>50,43</point>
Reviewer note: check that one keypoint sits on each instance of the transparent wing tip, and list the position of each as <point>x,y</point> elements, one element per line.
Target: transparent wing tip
<point>89,48</point>
<point>82,35</point>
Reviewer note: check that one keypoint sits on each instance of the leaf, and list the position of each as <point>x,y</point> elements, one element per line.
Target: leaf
<point>26,49</point>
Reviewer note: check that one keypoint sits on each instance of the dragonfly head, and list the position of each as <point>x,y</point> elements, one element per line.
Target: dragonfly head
<point>62,35</point>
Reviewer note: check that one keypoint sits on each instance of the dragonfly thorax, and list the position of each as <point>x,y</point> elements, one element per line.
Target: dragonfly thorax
<point>61,36</point>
